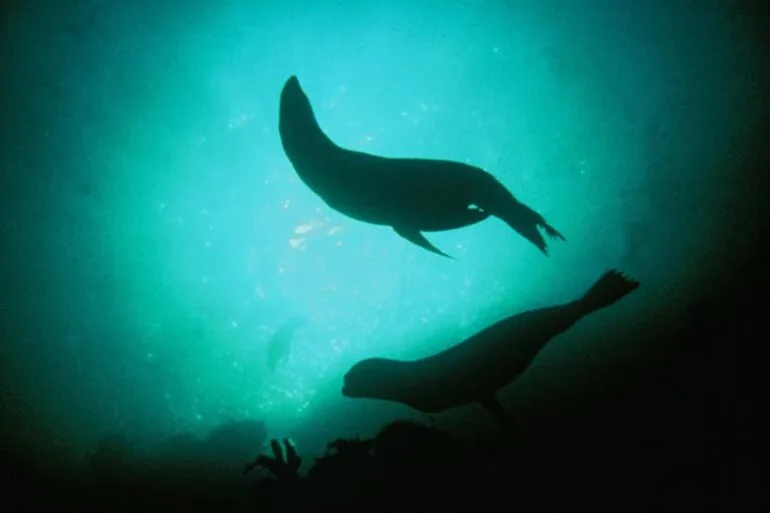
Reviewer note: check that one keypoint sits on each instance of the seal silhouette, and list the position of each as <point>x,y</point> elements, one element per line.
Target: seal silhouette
<point>279,345</point>
<point>478,367</point>
<point>411,195</point>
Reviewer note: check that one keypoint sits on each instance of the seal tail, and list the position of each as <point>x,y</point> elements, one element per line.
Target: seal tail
<point>609,289</point>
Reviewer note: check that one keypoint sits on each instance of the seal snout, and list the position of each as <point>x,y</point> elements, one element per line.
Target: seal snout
<point>346,388</point>
<point>292,82</point>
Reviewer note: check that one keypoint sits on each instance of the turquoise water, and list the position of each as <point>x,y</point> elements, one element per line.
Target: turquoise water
<point>157,235</point>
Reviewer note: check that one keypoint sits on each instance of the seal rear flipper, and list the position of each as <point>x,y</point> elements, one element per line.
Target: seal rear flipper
<point>610,288</point>
<point>552,232</point>
<point>528,223</point>
<point>415,237</point>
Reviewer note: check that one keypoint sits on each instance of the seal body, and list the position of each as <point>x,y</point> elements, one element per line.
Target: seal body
<point>477,368</point>
<point>279,345</point>
<point>410,195</point>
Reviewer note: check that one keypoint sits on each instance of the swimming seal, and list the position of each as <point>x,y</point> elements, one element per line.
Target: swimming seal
<point>279,345</point>
<point>410,195</point>
<point>477,368</point>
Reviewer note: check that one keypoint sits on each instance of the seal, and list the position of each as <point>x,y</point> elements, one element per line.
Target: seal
<point>279,345</point>
<point>410,195</point>
<point>477,368</point>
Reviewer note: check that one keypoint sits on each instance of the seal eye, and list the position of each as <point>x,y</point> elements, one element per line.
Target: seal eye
<point>474,207</point>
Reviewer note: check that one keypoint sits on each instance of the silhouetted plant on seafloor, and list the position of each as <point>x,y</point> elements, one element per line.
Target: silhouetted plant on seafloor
<point>283,464</point>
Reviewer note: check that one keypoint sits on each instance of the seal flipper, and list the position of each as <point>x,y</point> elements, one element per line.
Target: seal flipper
<point>528,223</point>
<point>552,232</point>
<point>415,237</point>
<point>493,405</point>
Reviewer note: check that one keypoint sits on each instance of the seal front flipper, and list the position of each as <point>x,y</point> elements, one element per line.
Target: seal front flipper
<point>493,405</point>
<point>415,237</point>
